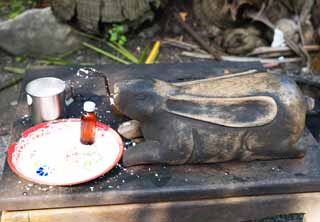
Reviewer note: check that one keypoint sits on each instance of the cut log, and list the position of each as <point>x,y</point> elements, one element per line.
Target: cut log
<point>90,15</point>
<point>64,9</point>
<point>111,11</point>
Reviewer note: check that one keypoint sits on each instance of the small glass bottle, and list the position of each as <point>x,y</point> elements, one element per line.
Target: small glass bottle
<point>88,123</point>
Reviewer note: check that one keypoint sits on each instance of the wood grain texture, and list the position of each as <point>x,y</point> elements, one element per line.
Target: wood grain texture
<point>224,111</point>
<point>233,117</point>
<point>4,142</point>
<point>132,9</point>
<point>90,15</point>
<point>64,9</point>
<point>237,209</point>
<point>111,11</point>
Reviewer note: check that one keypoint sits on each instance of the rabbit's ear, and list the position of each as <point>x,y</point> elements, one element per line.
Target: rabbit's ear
<point>231,112</point>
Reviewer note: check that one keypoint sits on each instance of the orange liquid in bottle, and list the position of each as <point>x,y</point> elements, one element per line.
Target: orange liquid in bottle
<point>88,127</point>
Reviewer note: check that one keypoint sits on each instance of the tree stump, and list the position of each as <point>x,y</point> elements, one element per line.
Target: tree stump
<point>91,16</point>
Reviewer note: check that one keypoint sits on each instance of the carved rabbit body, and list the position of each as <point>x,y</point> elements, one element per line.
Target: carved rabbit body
<point>233,117</point>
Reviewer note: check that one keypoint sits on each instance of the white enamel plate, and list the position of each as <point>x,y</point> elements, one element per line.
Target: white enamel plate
<point>51,153</point>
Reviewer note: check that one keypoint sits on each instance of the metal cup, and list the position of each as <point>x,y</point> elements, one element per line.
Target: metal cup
<point>46,96</point>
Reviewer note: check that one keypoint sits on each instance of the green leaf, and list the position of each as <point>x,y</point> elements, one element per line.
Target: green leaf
<point>122,40</point>
<point>157,3</point>
<point>113,37</point>
<point>12,15</point>
<point>68,53</point>
<point>55,61</point>
<point>1,7</point>
<point>120,49</point>
<point>144,55</point>
<point>86,35</point>
<point>115,34</point>
<point>20,58</point>
<point>16,8</point>
<point>15,70</point>
<point>119,28</point>
<point>107,54</point>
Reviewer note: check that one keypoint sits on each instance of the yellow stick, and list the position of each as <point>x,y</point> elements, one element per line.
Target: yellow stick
<point>153,54</point>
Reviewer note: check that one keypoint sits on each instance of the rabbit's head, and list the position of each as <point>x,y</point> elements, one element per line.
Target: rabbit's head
<point>137,98</point>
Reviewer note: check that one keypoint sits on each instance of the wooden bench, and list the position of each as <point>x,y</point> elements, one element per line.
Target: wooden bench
<point>226,192</point>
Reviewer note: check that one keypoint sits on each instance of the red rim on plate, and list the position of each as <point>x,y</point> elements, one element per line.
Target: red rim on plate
<point>40,126</point>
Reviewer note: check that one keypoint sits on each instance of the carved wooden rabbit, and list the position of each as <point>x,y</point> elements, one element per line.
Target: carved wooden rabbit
<point>232,117</point>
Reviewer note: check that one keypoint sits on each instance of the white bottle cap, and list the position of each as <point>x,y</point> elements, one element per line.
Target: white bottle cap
<point>89,106</point>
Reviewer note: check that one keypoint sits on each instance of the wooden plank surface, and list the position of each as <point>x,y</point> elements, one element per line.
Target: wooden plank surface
<point>156,183</point>
<point>236,209</point>
<point>167,72</point>
<point>4,140</point>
